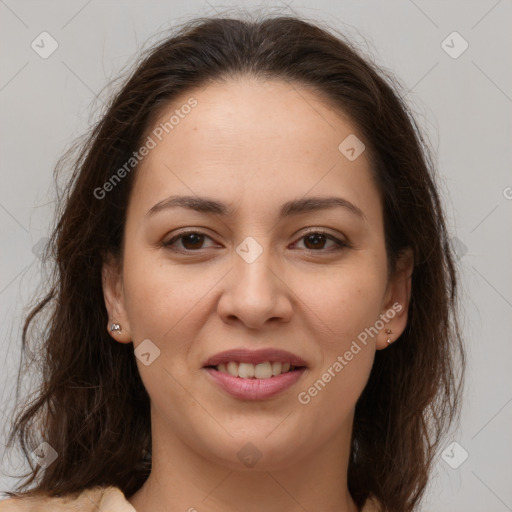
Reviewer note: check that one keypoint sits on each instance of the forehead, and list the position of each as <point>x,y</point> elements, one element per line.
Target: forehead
<point>274,114</point>
<point>249,140</point>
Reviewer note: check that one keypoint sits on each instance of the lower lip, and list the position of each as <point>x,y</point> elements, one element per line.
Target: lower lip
<point>255,389</point>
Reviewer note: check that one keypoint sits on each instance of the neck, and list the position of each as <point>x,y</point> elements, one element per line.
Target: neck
<point>184,480</point>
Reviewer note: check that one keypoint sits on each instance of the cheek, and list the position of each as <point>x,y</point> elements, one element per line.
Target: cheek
<point>164,299</point>
<point>343,301</point>
<point>345,311</point>
<point>153,295</point>
<point>345,305</point>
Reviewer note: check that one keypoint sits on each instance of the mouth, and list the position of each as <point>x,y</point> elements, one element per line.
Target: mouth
<point>255,374</point>
<point>264,370</point>
<point>255,364</point>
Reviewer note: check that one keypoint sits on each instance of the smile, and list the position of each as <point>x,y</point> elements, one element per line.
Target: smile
<point>253,387</point>
<point>265,370</point>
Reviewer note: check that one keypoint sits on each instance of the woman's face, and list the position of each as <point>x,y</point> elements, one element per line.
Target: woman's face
<point>259,268</point>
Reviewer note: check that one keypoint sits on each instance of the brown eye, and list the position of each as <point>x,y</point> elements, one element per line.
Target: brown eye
<point>316,240</point>
<point>190,241</point>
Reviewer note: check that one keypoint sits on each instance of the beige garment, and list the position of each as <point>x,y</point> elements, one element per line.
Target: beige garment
<point>97,499</point>
<point>104,499</point>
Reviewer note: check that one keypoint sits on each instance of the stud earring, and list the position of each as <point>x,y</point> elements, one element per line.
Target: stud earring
<point>115,327</point>
<point>388,331</point>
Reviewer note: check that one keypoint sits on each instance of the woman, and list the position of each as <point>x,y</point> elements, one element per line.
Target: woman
<point>254,292</point>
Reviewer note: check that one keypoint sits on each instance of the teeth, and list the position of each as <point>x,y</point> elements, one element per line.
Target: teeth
<point>276,368</point>
<point>246,370</point>
<point>264,370</point>
<point>232,368</point>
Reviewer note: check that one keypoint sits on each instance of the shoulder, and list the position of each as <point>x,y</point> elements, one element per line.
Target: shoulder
<point>107,499</point>
<point>371,505</point>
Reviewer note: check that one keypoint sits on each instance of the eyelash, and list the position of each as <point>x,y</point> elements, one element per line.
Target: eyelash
<point>340,243</point>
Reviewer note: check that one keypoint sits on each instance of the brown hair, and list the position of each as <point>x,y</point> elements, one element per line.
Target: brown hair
<point>92,407</point>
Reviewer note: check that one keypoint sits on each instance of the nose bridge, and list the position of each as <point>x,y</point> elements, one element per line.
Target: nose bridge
<point>255,293</point>
<point>253,267</point>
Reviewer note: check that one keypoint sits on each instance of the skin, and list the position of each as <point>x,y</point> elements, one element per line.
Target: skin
<point>254,145</point>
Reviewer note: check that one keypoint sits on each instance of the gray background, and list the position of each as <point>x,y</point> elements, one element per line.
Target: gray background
<point>463,103</point>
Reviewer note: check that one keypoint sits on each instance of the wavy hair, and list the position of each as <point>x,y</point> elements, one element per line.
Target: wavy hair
<point>91,405</point>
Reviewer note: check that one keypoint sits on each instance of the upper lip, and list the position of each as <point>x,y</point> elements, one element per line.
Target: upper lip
<point>243,355</point>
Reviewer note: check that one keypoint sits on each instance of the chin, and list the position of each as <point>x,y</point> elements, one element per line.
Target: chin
<point>258,452</point>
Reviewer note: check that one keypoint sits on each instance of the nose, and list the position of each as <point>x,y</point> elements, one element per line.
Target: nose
<point>255,292</point>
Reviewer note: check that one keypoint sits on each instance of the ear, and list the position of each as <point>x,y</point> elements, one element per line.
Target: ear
<point>113,293</point>
<point>396,301</point>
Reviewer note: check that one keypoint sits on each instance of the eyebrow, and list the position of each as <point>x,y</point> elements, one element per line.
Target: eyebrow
<point>288,209</point>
